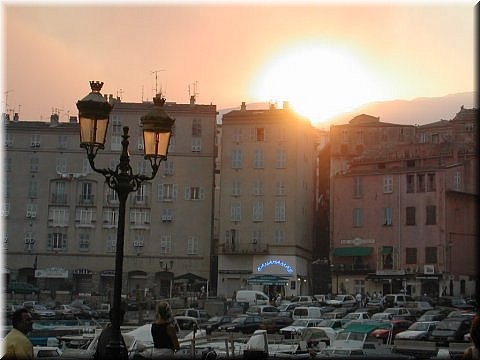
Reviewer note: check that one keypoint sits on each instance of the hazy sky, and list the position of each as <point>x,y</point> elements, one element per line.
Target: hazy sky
<point>323,58</point>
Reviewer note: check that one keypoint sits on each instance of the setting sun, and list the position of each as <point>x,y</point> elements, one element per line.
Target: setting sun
<point>318,81</point>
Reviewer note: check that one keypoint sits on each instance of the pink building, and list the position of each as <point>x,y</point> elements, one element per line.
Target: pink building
<point>403,205</point>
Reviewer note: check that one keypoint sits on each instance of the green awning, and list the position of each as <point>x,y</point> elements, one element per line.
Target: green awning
<point>387,250</point>
<point>353,251</point>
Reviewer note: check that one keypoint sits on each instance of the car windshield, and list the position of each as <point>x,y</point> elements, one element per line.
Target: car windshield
<point>419,326</point>
<point>300,322</point>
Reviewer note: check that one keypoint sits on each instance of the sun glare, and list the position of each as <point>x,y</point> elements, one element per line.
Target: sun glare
<point>319,82</point>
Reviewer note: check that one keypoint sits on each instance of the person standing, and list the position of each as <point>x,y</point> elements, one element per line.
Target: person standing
<point>164,333</point>
<point>16,344</point>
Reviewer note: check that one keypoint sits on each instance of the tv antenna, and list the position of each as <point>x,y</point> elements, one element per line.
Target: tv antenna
<point>6,99</point>
<point>194,90</point>
<point>156,79</point>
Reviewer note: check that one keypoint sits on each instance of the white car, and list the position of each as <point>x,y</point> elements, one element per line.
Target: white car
<point>297,326</point>
<point>342,300</point>
<point>419,330</point>
<point>357,315</point>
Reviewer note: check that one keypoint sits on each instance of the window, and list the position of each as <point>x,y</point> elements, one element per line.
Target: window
<point>31,212</point>
<point>236,188</point>
<point>138,241</point>
<point>196,144</point>
<point>280,188</point>
<point>468,126</point>
<point>6,209</point>
<point>237,135</point>
<point>165,244</point>
<point>86,168</point>
<point>34,164</point>
<point>430,255</point>
<point>236,211</point>
<point>431,215</point>
<point>62,142</point>
<point>110,216</point>
<point>280,211</point>
<point>29,241</point>
<point>411,256</point>
<point>8,139</point>
<point>388,184</point>
<point>231,239</point>
<point>58,216</point>
<point>83,241</point>
<point>259,159</point>
<point>258,188</point>
<point>112,196</point>
<point>85,216</point>
<point>196,127</point>
<point>167,215</point>
<point>257,211</point>
<point>359,286</point>
<point>35,140</point>
<point>141,194</point>
<point>358,217</point>
<point>387,257</point>
<point>194,193</point>
<point>86,195</point>
<point>140,143</point>
<point>237,159</point>
<point>410,183</point>
<point>57,241</point>
<point>116,139</point>
<point>410,215</point>
<point>168,167</point>
<point>387,216</point>
<point>33,189</point>
<point>192,245</point>
<point>111,244</point>
<point>457,181</point>
<point>281,159</point>
<point>139,216</point>
<point>257,236</point>
<point>173,141</point>
<point>259,134</point>
<point>167,192</point>
<point>431,186</point>
<point>9,164</point>
<point>420,182</point>
<point>59,194</point>
<point>357,187</point>
<point>279,236</point>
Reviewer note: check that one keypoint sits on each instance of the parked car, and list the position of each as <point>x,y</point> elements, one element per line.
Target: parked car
<point>375,304</point>
<point>454,301</point>
<point>246,324</point>
<point>419,330</point>
<point>306,312</point>
<point>263,310</point>
<point>451,329</point>
<point>382,316</point>
<point>302,299</point>
<point>387,333</point>
<point>335,324</point>
<point>287,308</point>
<point>199,314</point>
<point>274,324</point>
<point>297,326</point>
<point>342,300</point>
<point>393,300</point>
<point>236,308</point>
<point>84,311</point>
<point>65,311</point>
<point>186,322</point>
<point>400,313</point>
<point>357,315</point>
<point>214,322</point>
<point>40,311</point>
<point>19,287</point>
<point>321,299</point>
<point>417,308</point>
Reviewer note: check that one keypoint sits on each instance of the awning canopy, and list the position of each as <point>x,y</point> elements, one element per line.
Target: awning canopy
<point>387,250</point>
<point>190,278</point>
<point>267,280</point>
<point>353,251</point>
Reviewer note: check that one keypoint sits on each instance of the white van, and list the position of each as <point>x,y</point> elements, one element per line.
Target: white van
<point>306,312</point>
<point>252,297</point>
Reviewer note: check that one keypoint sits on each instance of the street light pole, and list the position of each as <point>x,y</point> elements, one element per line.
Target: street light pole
<point>94,111</point>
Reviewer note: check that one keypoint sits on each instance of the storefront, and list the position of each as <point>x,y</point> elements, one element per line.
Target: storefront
<point>53,279</point>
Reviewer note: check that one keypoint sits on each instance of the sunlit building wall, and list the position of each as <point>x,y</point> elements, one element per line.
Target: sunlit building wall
<point>266,202</point>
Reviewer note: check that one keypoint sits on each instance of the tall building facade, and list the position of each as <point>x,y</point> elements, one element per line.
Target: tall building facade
<point>403,206</point>
<point>266,201</point>
<point>61,218</point>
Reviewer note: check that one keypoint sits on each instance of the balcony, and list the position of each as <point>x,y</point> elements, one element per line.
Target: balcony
<point>352,268</point>
<point>248,249</point>
<point>58,198</point>
<point>86,199</point>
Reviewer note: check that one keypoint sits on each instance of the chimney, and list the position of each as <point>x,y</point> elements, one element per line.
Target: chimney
<point>192,100</point>
<point>243,107</point>
<point>16,117</point>
<point>73,120</point>
<point>54,119</point>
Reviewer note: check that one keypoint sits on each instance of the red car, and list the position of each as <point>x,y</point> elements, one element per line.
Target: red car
<point>392,328</point>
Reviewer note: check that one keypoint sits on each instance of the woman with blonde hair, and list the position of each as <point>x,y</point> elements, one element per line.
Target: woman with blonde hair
<point>164,333</point>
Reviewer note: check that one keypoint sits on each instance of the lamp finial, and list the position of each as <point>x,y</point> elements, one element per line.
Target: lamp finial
<point>96,85</point>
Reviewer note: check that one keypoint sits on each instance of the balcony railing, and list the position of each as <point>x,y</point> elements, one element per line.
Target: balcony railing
<point>86,199</point>
<point>245,249</point>
<point>57,198</point>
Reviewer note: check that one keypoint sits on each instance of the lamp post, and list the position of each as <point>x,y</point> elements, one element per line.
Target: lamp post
<point>93,113</point>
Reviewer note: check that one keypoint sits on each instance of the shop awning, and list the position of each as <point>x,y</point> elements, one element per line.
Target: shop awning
<point>267,280</point>
<point>353,251</point>
<point>386,250</point>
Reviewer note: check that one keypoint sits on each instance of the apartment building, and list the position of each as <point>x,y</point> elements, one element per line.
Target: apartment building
<point>403,206</point>
<point>266,201</point>
<point>61,218</point>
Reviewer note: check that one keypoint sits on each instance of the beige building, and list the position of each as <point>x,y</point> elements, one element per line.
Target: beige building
<point>266,201</point>
<point>61,218</point>
<point>403,206</point>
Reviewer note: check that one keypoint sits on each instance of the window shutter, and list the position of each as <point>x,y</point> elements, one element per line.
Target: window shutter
<point>49,241</point>
<point>187,192</point>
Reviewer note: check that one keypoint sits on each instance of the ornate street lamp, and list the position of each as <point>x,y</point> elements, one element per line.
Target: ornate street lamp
<point>93,114</point>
